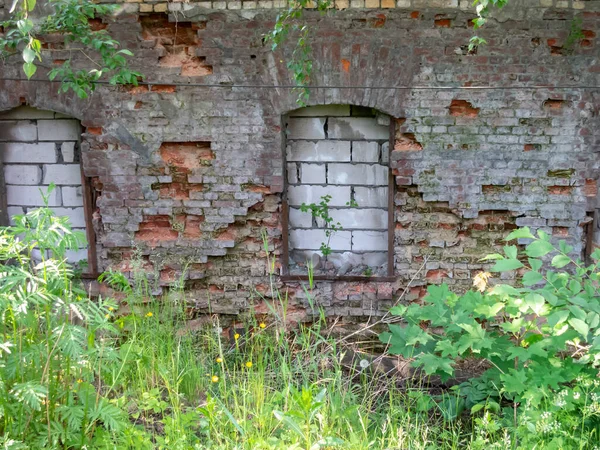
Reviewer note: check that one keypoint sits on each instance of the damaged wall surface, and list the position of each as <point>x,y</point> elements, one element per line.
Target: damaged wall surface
<point>189,169</point>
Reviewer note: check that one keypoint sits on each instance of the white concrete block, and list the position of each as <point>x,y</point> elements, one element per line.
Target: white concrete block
<point>30,196</point>
<point>18,130</point>
<point>356,128</point>
<point>385,153</point>
<point>369,240</point>
<point>322,111</point>
<point>62,174</point>
<point>68,151</point>
<point>318,151</point>
<point>76,216</point>
<point>27,112</point>
<point>22,174</point>
<point>358,218</point>
<point>306,128</point>
<point>59,130</point>
<point>297,195</point>
<point>292,173</point>
<point>365,174</point>
<point>365,151</point>
<point>371,197</point>
<point>312,239</point>
<point>72,196</point>
<point>312,173</point>
<point>44,152</point>
<point>75,256</point>
<point>299,219</point>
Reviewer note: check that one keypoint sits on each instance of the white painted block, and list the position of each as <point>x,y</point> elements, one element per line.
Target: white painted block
<point>44,152</point>
<point>312,173</point>
<point>75,256</point>
<point>369,240</point>
<point>58,130</point>
<point>365,151</point>
<point>68,151</point>
<point>30,196</point>
<point>72,196</point>
<point>369,174</point>
<point>292,173</point>
<point>27,112</point>
<point>354,218</point>
<point>62,174</point>
<point>356,128</point>
<point>322,111</point>
<point>306,128</point>
<point>22,174</point>
<point>318,151</point>
<point>312,239</point>
<point>385,153</point>
<point>76,216</point>
<point>299,219</point>
<point>297,195</point>
<point>14,211</point>
<point>18,130</point>
<point>371,197</point>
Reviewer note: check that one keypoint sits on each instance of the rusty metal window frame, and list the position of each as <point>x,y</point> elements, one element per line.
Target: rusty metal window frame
<point>285,276</point>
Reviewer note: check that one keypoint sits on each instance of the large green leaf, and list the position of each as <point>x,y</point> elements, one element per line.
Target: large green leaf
<point>580,326</point>
<point>521,233</point>
<point>560,261</point>
<point>538,248</point>
<point>506,265</point>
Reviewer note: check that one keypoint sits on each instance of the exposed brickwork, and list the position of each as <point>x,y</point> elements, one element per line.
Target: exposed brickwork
<point>191,175</point>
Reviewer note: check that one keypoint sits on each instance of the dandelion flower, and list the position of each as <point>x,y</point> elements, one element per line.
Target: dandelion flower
<point>79,380</point>
<point>249,364</point>
<point>214,379</point>
<point>262,325</point>
<point>149,314</point>
<point>364,363</point>
<point>236,336</point>
<point>219,360</point>
<point>110,308</point>
<point>107,316</point>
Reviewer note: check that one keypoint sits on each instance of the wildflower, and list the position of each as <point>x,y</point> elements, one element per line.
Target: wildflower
<point>249,364</point>
<point>576,395</point>
<point>219,360</point>
<point>262,325</point>
<point>107,316</point>
<point>79,380</point>
<point>110,308</point>
<point>149,314</point>
<point>214,379</point>
<point>236,336</point>
<point>364,363</point>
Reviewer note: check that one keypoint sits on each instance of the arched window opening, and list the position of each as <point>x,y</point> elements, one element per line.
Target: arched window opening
<point>339,192</point>
<point>38,148</point>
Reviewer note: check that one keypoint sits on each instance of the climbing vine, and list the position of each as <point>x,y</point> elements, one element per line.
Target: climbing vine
<point>24,33</point>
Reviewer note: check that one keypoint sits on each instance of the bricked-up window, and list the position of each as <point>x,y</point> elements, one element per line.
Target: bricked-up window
<point>339,151</point>
<point>38,148</point>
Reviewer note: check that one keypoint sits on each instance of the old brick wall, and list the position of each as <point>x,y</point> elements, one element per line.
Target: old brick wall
<point>190,168</point>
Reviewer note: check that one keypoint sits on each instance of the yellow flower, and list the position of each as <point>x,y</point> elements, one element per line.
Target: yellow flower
<point>107,316</point>
<point>262,325</point>
<point>219,360</point>
<point>110,308</point>
<point>236,336</point>
<point>249,364</point>
<point>79,380</point>
<point>214,379</point>
<point>149,314</point>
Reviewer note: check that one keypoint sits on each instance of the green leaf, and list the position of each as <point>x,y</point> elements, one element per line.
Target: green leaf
<point>398,310</point>
<point>538,248</point>
<point>531,278</point>
<point>493,256</point>
<point>28,55</point>
<point>24,26</point>
<point>557,317</point>
<point>560,261</point>
<point>536,303</point>
<point>535,264</point>
<point>510,251</point>
<point>30,4</point>
<point>506,265</point>
<point>580,326</point>
<point>433,364</point>
<point>29,69</point>
<point>521,233</point>
<point>514,381</point>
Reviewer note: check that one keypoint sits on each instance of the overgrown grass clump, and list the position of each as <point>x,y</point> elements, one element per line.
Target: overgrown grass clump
<point>89,373</point>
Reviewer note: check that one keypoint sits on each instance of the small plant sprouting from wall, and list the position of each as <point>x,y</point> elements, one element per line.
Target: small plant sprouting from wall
<point>321,211</point>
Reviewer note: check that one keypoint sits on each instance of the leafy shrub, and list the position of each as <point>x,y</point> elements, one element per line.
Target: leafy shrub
<point>55,343</point>
<point>537,342</point>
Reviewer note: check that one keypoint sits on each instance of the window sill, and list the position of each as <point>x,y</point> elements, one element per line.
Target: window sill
<point>348,278</point>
